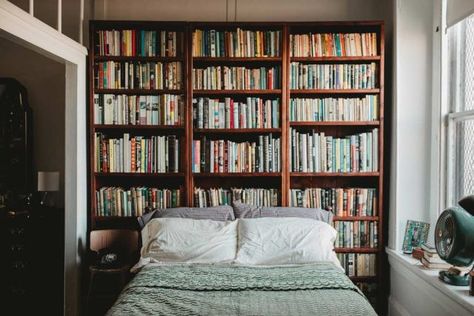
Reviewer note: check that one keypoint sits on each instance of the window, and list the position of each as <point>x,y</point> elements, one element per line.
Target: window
<point>460,118</point>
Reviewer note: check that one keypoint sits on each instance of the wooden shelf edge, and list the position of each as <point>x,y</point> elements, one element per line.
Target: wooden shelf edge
<point>334,58</point>
<point>138,58</point>
<point>138,91</point>
<point>138,127</point>
<point>237,59</point>
<point>334,174</point>
<point>235,131</point>
<point>334,91</point>
<point>139,174</point>
<point>334,123</point>
<point>233,92</point>
<point>236,174</point>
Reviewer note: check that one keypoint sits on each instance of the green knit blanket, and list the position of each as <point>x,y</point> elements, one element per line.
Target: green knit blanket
<point>312,289</point>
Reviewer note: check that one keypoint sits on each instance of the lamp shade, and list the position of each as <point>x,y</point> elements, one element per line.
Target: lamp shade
<point>48,181</point>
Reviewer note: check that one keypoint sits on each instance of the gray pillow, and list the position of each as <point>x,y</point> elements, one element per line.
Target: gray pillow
<point>242,210</point>
<point>215,213</point>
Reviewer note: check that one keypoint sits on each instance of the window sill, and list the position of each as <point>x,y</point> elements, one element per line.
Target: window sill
<point>451,294</point>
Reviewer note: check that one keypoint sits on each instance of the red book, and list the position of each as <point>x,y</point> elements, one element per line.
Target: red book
<point>231,113</point>
<point>133,155</point>
<point>104,156</point>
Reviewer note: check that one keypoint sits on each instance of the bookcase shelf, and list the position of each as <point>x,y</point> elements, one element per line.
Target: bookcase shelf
<point>138,91</point>
<point>140,127</point>
<point>237,131</point>
<point>138,58</point>
<point>333,91</point>
<point>336,59</point>
<point>286,183</point>
<point>235,59</point>
<point>334,123</point>
<point>236,174</point>
<point>236,92</point>
<point>334,174</point>
<point>140,174</point>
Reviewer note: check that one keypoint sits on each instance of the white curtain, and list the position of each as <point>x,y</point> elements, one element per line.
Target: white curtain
<point>458,10</point>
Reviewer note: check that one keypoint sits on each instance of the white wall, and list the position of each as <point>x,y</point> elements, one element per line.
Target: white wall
<point>411,120</point>
<point>44,81</point>
<point>243,10</point>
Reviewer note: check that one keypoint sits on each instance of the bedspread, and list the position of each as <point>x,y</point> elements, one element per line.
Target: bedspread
<point>310,289</point>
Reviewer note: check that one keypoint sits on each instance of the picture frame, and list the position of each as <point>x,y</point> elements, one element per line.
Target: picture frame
<point>416,234</point>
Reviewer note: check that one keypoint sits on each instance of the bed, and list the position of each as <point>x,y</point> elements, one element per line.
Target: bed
<point>262,266</point>
<point>186,289</point>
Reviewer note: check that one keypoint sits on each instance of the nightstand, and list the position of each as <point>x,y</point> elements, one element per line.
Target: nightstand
<point>104,287</point>
<point>105,284</point>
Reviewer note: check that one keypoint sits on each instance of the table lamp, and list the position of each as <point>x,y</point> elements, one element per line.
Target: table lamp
<point>47,182</point>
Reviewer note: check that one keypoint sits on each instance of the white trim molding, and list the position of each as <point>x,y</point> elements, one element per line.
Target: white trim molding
<point>22,28</point>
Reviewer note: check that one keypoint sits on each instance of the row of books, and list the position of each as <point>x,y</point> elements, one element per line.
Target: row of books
<point>358,264</point>
<point>238,43</point>
<point>137,43</point>
<point>333,76</point>
<point>153,154</point>
<point>221,196</point>
<point>138,75</point>
<point>217,156</point>
<point>333,44</point>
<point>340,201</point>
<point>356,234</point>
<point>316,152</point>
<point>251,113</point>
<point>334,109</point>
<point>165,109</point>
<point>236,78</point>
<point>135,201</point>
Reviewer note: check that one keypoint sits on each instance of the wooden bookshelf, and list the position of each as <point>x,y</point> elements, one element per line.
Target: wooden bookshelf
<point>284,180</point>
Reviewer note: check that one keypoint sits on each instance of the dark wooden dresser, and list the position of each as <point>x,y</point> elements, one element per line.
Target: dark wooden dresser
<point>31,268</point>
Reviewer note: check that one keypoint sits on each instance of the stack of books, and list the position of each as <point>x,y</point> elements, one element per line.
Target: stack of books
<point>358,264</point>
<point>333,76</point>
<point>236,78</point>
<point>136,43</point>
<point>116,201</point>
<point>356,234</point>
<point>333,44</point>
<point>239,43</point>
<point>228,113</point>
<point>165,109</point>
<point>318,152</point>
<point>431,259</point>
<point>227,156</point>
<point>155,154</point>
<point>221,196</point>
<point>334,109</point>
<point>138,75</point>
<point>340,201</point>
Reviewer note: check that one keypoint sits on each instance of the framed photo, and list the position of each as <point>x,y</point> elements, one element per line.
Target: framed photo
<point>416,234</point>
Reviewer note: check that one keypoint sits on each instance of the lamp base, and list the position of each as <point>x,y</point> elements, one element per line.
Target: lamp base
<point>454,279</point>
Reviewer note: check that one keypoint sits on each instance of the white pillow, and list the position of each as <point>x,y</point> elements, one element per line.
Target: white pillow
<point>189,240</point>
<point>285,240</point>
